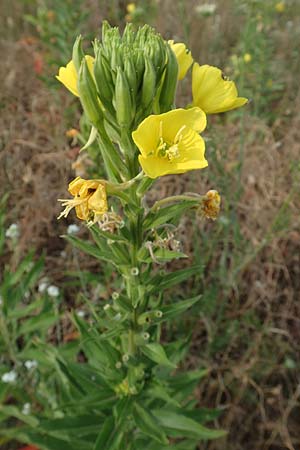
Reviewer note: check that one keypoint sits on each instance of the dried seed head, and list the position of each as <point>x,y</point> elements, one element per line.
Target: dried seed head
<point>210,205</point>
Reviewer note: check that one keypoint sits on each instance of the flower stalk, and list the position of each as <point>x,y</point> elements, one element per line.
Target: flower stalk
<point>128,94</point>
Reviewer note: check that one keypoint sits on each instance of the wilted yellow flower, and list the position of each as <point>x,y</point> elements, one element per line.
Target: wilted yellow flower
<point>72,132</point>
<point>212,92</point>
<point>131,7</point>
<point>169,143</point>
<point>183,56</point>
<point>210,206</point>
<point>89,200</point>
<point>280,7</point>
<point>247,57</point>
<point>68,75</point>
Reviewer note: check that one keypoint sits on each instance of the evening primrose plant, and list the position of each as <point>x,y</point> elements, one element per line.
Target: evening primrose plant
<point>130,393</point>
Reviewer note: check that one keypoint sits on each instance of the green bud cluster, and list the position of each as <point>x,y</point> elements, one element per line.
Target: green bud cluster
<point>135,74</point>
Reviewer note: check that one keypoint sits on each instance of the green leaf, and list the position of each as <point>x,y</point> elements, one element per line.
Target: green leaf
<point>105,434</point>
<point>147,423</point>
<point>13,411</point>
<point>156,353</point>
<point>90,249</point>
<point>172,212</point>
<point>79,424</point>
<point>160,254</point>
<point>37,323</point>
<point>190,379</point>
<point>25,310</point>
<point>177,308</point>
<point>184,426</point>
<point>161,282</point>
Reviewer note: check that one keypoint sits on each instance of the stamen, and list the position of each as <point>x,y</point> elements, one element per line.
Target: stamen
<point>69,205</point>
<point>178,136</point>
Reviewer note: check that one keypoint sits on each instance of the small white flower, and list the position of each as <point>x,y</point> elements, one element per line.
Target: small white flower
<point>31,364</point>
<point>80,313</point>
<point>106,306</point>
<point>207,9</point>
<point>12,231</point>
<point>73,229</point>
<point>42,286</point>
<point>26,409</point>
<point>9,377</point>
<point>118,316</point>
<point>53,291</point>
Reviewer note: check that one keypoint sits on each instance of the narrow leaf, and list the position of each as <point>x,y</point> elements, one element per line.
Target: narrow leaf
<point>147,423</point>
<point>185,426</point>
<point>156,353</point>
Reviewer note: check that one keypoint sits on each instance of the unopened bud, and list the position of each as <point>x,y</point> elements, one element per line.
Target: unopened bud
<point>88,95</point>
<point>149,82</point>
<point>123,103</point>
<point>168,91</point>
<point>77,54</point>
<point>103,79</point>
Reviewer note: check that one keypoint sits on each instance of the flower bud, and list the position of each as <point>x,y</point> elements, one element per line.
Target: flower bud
<point>103,78</point>
<point>88,95</point>
<point>149,82</point>
<point>123,104</point>
<point>77,54</point>
<point>168,91</point>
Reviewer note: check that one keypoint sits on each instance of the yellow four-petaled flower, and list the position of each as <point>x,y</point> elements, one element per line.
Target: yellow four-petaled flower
<point>169,143</point>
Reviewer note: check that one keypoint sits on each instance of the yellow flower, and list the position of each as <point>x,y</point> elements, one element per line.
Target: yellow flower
<point>183,56</point>
<point>89,200</point>
<point>212,92</point>
<point>169,143</point>
<point>131,7</point>
<point>68,75</point>
<point>211,202</point>
<point>280,7</point>
<point>247,57</point>
<point>72,132</point>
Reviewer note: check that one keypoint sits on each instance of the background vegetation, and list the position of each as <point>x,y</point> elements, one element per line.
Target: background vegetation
<point>245,329</point>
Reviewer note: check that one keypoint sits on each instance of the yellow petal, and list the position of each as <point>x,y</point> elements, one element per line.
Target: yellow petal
<point>213,93</point>
<point>68,75</point>
<point>75,185</point>
<point>82,211</point>
<point>172,121</point>
<point>146,136</point>
<point>183,56</point>
<point>98,201</point>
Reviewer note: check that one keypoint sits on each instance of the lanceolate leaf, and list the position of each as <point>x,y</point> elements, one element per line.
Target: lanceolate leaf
<point>147,423</point>
<point>182,426</point>
<point>177,308</point>
<point>160,282</point>
<point>90,249</point>
<point>172,212</point>
<point>156,353</point>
